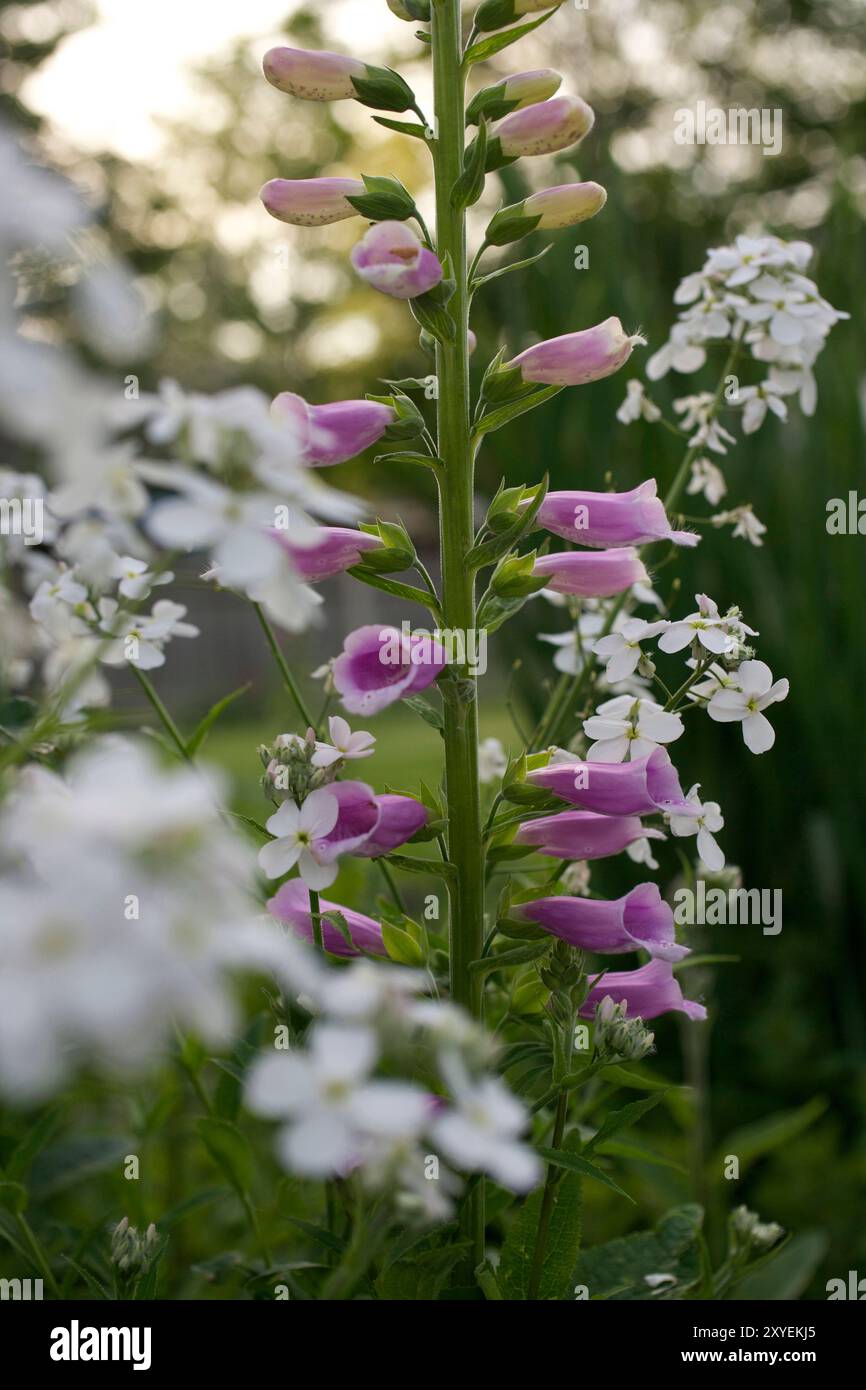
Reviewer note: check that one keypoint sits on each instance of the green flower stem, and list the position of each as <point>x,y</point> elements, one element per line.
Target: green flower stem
<point>456,496</point>
<point>691,454</point>
<point>316,916</point>
<point>288,679</point>
<point>39,1254</point>
<point>547,1199</point>
<point>164,717</point>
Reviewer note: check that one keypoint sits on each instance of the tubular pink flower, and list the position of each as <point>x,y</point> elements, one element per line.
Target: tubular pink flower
<point>528,88</point>
<point>565,205</point>
<point>357,818</point>
<point>330,434</point>
<point>311,202</point>
<point>638,788</point>
<point>332,550</point>
<point>400,817</point>
<point>574,359</point>
<point>379,665</point>
<point>611,518</point>
<point>640,920</point>
<point>648,991</point>
<point>315,75</point>
<point>543,127</point>
<point>583,834</point>
<point>591,573</point>
<point>291,905</point>
<point>393,260</point>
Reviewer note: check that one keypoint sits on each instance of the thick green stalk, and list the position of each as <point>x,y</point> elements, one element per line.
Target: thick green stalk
<point>456,518</point>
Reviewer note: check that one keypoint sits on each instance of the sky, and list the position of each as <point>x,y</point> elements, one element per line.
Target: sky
<point>105,85</point>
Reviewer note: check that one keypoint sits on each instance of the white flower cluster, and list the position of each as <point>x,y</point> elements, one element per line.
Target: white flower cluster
<point>340,1115</point>
<point>123,904</point>
<point>754,292</point>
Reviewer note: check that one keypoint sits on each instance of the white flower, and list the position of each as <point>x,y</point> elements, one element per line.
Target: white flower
<point>576,878</point>
<point>139,639</point>
<point>706,626</point>
<point>332,1107</point>
<point>641,852</point>
<point>757,691</point>
<point>699,415</point>
<point>296,830</point>
<point>104,480</point>
<point>64,588</point>
<point>625,727</point>
<point>707,479</point>
<point>492,760</point>
<point>746,525</point>
<point>756,400</point>
<point>636,404</point>
<point>703,822</point>
<point>481,1134</point>
<point>715,678</point>
<point>344,744</point>
<point>622,650</point>
<point>136,580</point>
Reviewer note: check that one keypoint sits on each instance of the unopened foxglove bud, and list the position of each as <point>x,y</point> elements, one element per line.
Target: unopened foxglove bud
<point>319,75</point>
<point>616,1035</point>
<point>311,202</point>
<point>548,210</point>
<point>577,358</point>
<point>495,14</point>
<point>521,89</point>
<point>540,129</point>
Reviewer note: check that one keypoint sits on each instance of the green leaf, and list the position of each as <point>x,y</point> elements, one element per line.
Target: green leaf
<point>434,317</point>
<point>488,552</point>
<point>33,1143</point>
<point>512,266</point>
<point>634,1152</point>
<point>470,185</point>
<point>404,127</point>
<point>786,1276</point>
<point>395,587</point>
<point>576,1163</point>
<point>229,1149</point>
<point>421,1275</point>
<point>73,1161</point>
<point>197,738</point>
<point>385,199</point>
<point>506,959</point>
<point>487,48</point>
<point>400,946</point>
<point>429,713</point>
<point>635,1080</point>
<point>90,1279</point>
<point>13,1196</point>
<point>409,456</point>
<point>619,1120</point>
<point>618,1269</point>
<point>563,1242</point>
<point>319,1234</point>
<point>252,824</point>
<point>495,419</point>
<point>756,1140</point>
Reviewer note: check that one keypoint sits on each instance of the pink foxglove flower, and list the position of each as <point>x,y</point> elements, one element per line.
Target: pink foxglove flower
<point>315,75</point>
<point>330,551</point>
<point>380,664</point>
<point>746,705</point>
<point>648,991</point>
<point>577,358</point>
<point>400,817</point>
<point>330,434</point>
<point>311,202</point>
<point>611,518</point>
<point>357,818</point>
<point>640,920</point>
<point>298,831</point>
<point>637,788</point>
<point>392,259</point>
<point>592,573</point>
<point>543,128</point>
<point>291,904</point>
<point>583,834</point>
